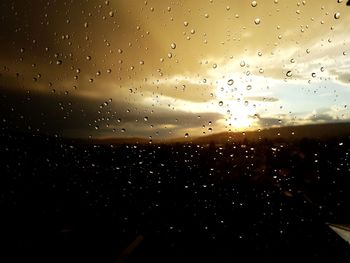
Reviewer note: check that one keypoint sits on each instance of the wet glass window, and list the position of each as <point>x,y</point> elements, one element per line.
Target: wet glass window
<point>174,131</point>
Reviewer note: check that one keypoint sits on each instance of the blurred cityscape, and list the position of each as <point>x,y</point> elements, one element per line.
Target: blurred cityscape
<point>77,201</point>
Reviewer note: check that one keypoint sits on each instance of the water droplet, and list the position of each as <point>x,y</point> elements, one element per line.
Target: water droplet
<point>227,8</point>
<point>215,65</point>
<point>59,62</point>
<point>170,55</point>
<point>340,1</point>
<point>242,64</point>
<point>173,45</point>
<point>230,82</point>
<point>313,74</point>
<point>257,21</point>
<point>111,13</point>
<point>145,118</point>
<point>337,15</point>
<point>88,57</point>
<point>86,24</point>
<point>246,103</point>
<point>289,73</point>
<point>142,62</point>
<point>221,103</point>
<point>185,23</point>
<point>186,135</point>
<point>292,60</point>
<point>254,4</point>
<point>206,15</point>
<point>249,87</point>
<point>123,130</point>
<point>193,31</point>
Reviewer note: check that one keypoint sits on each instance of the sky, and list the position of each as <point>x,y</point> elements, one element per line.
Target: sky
<point>168,69</point>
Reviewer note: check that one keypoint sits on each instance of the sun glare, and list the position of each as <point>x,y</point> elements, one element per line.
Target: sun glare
<point>238,112</point>
<point>240,120</point>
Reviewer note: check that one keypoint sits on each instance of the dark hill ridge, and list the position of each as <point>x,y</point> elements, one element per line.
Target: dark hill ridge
<point>311,131</point>
<point>131,140</point>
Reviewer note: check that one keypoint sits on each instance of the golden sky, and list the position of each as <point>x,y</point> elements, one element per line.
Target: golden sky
<point>166,68</point>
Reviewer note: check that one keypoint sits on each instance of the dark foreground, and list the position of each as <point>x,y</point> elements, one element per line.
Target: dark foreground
<point>62,201</point>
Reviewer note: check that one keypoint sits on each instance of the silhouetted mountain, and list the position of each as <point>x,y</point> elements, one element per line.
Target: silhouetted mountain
<point>312,131</point>
<point>126,140</point>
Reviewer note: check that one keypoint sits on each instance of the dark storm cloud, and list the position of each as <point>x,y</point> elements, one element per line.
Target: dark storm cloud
<point>345,77</point>
<point>285,121</point>
<point>269,122</point>
<point>341,76</point>
<point>323,117</point>
<point>47,113</point>
<point>73,116</point>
